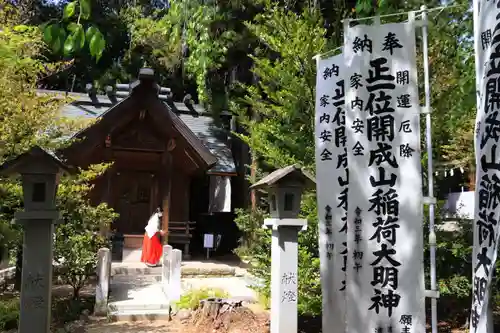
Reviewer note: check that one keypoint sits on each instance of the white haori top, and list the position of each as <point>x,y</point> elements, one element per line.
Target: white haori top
<point>152,228</point>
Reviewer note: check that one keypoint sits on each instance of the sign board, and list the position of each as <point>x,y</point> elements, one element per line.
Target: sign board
<point>208,241</point>
<point>486,209</point>
<point>385,276</point>
<point>331,188</point>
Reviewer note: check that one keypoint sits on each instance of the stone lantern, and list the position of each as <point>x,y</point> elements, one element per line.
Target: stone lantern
<point>40,172</point>
<point>285,187</point>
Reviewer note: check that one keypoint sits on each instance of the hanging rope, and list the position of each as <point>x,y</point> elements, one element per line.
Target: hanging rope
<point>417,12</point>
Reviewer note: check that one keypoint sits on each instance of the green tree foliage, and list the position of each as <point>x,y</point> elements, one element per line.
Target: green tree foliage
<point>79,238</point>
<point>69,37</point>
<point>283,100</point>
<point>29,119</point>
<point>280,131</point>
<point>194,36</point>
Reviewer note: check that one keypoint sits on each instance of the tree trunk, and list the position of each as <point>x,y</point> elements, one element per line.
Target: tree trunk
<point>253,175</point>
<point>214,307</point>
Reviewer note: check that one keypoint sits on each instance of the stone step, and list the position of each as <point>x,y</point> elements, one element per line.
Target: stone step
<point>143,301</point>
<point>137,315</point>
<point>186,271</point>
<point>133,306</point>
<point>137,298</point>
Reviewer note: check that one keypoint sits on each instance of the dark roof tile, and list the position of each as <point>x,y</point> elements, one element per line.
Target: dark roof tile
<point>201,124</point>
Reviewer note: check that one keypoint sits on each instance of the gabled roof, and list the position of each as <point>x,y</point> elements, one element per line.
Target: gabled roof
<point>189,119</point>
<point>24,161</point>
<point>290,173</point>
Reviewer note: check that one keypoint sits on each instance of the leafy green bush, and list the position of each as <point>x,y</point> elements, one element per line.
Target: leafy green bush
<point>31,119</point>
<point>259,250</point>
<point>78,239</point>
<point>65,309</point>
<point>9,314</point>
<point>191,299</point>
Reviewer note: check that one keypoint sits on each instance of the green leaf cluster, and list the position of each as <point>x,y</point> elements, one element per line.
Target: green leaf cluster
<point>9,314</point>
<point>191,299</point>
<point>79,238</point>
<point>280,128</point>
<point>28,119</point>
<point>70,37</point>
<point>186,25</point>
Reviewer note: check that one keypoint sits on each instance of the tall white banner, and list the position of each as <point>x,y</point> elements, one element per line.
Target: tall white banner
<point>487,193</point>
<point>332,180</point>
<point>385,276</point>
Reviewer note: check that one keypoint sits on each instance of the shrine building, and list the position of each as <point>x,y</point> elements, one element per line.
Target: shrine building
<point>173,155</point>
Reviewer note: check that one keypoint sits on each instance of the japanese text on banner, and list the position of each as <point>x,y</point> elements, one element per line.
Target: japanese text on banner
<point>332,186</point>
<point>487,194</point>
<point>385,289</point>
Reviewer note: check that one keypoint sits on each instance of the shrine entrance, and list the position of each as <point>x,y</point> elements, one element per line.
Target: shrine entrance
<point>134,197</point>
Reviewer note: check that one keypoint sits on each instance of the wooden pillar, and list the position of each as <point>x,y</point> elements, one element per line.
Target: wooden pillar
<point>472,178</point>
<point>107,181</point>
<point>166,187</point>
<point>186,197</point>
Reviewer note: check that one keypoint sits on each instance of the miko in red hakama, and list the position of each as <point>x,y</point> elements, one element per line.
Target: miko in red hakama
<point>151,245</point>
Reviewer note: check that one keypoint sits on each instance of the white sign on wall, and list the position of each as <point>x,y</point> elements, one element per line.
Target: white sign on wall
<point>331,187</point>
<point>385,277</point>
<point>208,241</point>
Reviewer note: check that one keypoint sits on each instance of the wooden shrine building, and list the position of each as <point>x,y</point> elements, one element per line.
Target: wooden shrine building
<point>166,154</point>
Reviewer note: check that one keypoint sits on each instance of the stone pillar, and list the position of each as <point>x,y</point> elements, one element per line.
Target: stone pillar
<point>102,287</point>
<point>284,259</point>
<point>165,268</point>
<point>40,172</point>
<point>36,287</point>
<point>175,275</point>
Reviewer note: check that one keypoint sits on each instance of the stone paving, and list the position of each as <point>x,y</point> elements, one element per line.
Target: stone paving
<point>136,290</point>
<point>103,326</point>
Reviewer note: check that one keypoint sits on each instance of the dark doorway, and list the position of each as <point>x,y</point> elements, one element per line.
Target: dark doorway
<point>134,195</point>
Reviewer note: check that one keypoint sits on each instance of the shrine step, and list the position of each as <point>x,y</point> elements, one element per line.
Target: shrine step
<point>135,298</point>
<point>140,270</point>
<point>146,315</point>
<point>134,281</point>
<point>129,307</point>
<point>187,270</point>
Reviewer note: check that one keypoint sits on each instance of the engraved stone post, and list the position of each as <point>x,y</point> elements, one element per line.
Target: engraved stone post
<point>165,268</point>
<point>284,259</point>
<point>175,275</point>
<point>40,173</point>
<point>102,287</point>
<point>285,190</point>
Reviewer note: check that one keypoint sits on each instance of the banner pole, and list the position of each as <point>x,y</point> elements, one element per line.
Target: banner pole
<point>430,173</point>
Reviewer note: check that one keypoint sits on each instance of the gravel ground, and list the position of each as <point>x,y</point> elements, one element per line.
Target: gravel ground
<point>102,326</point>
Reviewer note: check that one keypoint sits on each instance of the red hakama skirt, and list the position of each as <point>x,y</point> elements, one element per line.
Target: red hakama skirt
<point>151,249</point>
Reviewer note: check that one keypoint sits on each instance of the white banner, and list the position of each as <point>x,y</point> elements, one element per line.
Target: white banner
<point>385,276</point>
<point>332,180</point>
<point>487,193</point>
